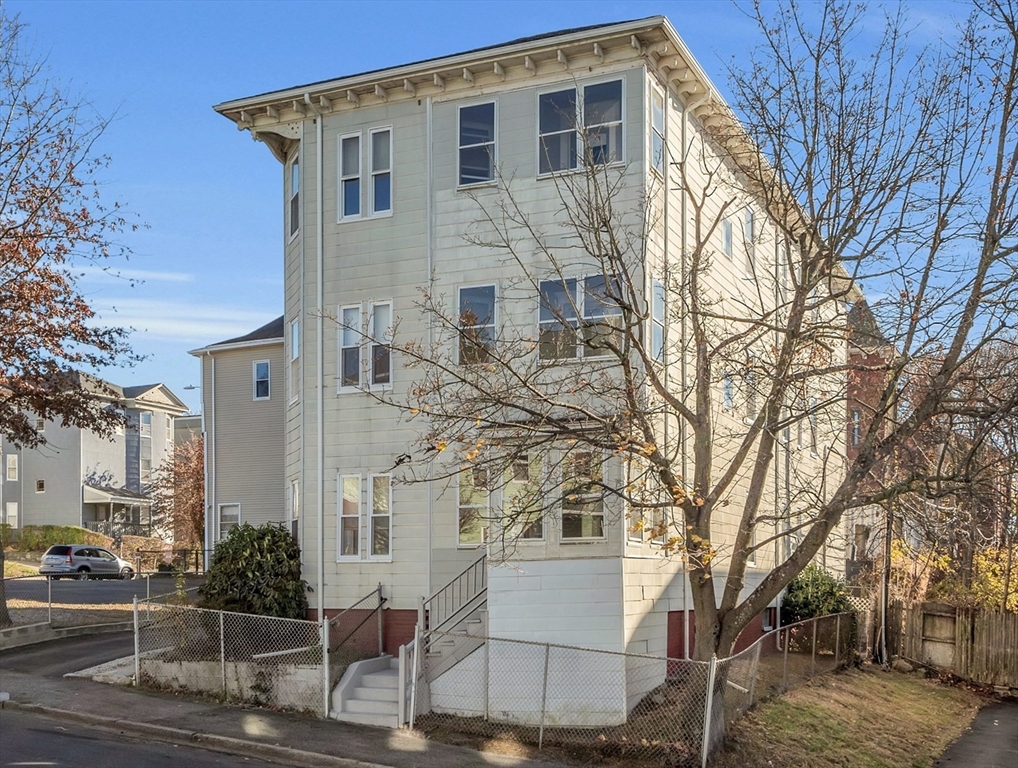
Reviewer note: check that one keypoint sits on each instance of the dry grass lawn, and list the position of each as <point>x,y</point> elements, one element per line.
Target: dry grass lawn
<point>863,718</point>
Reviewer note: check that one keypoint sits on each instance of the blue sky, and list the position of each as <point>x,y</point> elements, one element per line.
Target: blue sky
<point>210,258</point>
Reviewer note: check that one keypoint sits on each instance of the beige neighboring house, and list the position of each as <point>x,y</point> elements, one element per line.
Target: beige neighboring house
<point>243,408</point>
<point>381,177</point>
<point>79,478</point>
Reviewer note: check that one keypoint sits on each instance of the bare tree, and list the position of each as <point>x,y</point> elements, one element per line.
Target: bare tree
<point>709,411</point>
<point>178,494</point>
<point>51,220</point>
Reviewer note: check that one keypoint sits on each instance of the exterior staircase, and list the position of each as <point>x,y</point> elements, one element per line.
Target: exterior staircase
<point>369,693</point>
<point>445,652</point>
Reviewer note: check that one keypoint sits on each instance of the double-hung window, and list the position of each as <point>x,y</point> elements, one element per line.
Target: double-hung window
<point>260,369</point>
<point>582,497</point>
<point>380,487</point>
<point>350,346</point>
<point>381,171</point>
<point>370,336</point>
<point>567,306</point>
<point>657,131</point>
<point>727,392</point>
<point>294,211</point>
<point>294,374</point>
<point>477,323</point>
<point>749,233</point>
<point>726,236</point>
<point>350,176</point>
<point>657,321</point>
<point>522,499</point>
<point>146,424</point>
<point>477,143</point>
<point>349,544</point>
<point>472,504</point>
<point>12,467</point>
<point>589,126</point>
<point>229,518</point>
<point>856,427</point>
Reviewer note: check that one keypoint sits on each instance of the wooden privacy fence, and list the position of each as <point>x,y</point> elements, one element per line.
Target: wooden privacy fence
<point>974,644</point>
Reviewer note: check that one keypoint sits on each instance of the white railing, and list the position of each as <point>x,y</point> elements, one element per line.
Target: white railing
<point>456,599</point>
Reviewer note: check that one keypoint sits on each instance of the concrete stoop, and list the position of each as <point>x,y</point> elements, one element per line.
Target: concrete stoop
<point>368,693</point>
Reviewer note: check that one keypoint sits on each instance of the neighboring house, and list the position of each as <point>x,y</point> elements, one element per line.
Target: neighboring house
<point>380,175</point>
<point>79,478</point>
<point>186,427</point>
<point>243,411</point>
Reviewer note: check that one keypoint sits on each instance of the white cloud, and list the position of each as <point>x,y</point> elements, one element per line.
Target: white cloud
<point>198,324</point>
<point>93,273</point>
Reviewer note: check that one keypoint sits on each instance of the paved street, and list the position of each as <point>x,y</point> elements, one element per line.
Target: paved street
<point>59,657</point>
<point>30,739</point>
<point>110,591</point>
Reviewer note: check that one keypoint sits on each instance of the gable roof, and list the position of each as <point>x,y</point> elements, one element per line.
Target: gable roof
<point>270,333</point>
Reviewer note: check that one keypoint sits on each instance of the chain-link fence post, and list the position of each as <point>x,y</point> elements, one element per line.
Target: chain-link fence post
<point>708,707</point>
<point>49,600</point>
<point>544,695</point>
<point>137,646</point>
<point>222,651</point>
<point>326,681</point>
<point>418,653</point>
<point>487,676</point>
<point>784,661</point>
<point>379,610</point>
<point>813,659</point>
<point>401,687</point>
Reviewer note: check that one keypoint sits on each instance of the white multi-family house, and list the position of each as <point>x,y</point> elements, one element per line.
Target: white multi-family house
<point>78,478</point>
<point>243,410</point>
<point>383,174</point>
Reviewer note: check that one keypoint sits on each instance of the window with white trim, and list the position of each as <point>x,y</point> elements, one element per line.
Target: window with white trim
<point>295,509</point>
<point>380,324</point>
<point>472,505</point>
<point>657,130</point>
<point>12,467</point>
<point>726,236</point>
<point>350,340</point>
<point>598,112</point>
<point>562,332</point>
<point>477,143</point>
<point>146,424</point>
<point>856,425</point>
<point>349,176</point>
<point>229,518</point>
<point>293,375</point>
<point>381,171</point>
<point>657,321</point>
<point>349,544</point>
<point>11,514</point>
<point>40,486</point>
<point>380,505</point>
<point>477,323</point>
<point>40,425</point>
<point>260,376</point>
<point>749,233</point>
<point>523,500</point>
<point>582,497</point>
<point>727,392</point>
<point>145,471</point>
<point>294,210</point>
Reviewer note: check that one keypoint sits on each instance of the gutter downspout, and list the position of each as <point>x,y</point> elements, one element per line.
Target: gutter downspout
<point>683,372</point>
<point>319,351</point>
<point>210,457</point>
<point>429,213</point>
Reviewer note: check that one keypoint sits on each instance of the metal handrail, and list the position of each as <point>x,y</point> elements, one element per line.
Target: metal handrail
<point>446,604</point>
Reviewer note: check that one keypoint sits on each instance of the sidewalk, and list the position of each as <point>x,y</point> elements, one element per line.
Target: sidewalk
<point>286,738</point>
<point>991,741</point>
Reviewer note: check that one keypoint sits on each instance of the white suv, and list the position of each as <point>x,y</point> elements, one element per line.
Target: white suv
<point>82,561</point>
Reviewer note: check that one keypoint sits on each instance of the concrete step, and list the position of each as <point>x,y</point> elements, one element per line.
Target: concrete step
<point>372,707</point>
<point>382,721</point>
<point>387,678</point>
<point>375,694</point>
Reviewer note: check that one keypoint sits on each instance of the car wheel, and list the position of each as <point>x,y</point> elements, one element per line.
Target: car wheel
<point>126,573</point>
<point>83,574</point>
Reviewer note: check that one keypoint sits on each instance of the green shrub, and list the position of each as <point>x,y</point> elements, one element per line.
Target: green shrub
<point>256,570</point>
<point>814,592</point>
<point>39,538</point>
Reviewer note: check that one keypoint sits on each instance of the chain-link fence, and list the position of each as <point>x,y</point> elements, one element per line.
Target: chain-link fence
<point>591,705</point>
<point>258,659</point>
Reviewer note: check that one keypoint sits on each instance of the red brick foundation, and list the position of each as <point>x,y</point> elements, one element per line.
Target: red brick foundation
<point>359,628</point>
<point>677,624</point>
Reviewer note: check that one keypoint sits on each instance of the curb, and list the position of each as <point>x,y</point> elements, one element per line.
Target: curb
<point>30,634</point>
<point>208,741</point>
